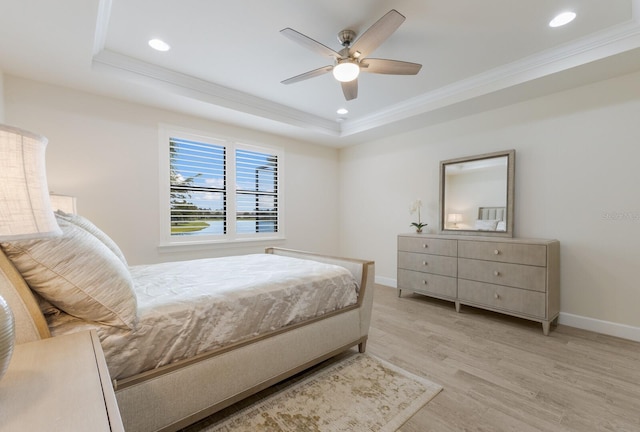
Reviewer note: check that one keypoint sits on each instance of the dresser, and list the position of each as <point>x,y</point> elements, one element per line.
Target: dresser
<point>59,384</point>
<point>519,277</point>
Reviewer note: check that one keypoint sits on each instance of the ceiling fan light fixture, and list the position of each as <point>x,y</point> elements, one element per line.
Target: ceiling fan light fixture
<point>346,71</point>
<point>562,19</point>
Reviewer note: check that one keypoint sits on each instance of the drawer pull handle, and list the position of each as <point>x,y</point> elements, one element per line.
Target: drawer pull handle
<point>496,252</point>
<point>424,263</point>
<point>424,245</point>
<point>424,282</point>
<point>496,273</point>
<point>496,296</point>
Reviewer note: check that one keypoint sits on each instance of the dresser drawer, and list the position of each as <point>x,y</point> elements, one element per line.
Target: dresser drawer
<point>503,298</point>
<point>530,254</point>
<point>436,264</point>
<point>439,286</point>
<point>428,245</point>
<point>514,275</point>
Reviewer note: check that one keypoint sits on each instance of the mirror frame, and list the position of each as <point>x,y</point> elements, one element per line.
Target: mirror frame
<point>511,167</point>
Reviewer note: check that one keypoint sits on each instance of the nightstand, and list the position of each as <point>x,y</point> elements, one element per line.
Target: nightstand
<point>59,384</point>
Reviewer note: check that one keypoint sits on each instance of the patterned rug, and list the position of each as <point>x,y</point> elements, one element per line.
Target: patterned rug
<point>360,393</point>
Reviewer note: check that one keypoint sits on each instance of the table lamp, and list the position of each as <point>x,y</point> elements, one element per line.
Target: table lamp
<point>25,208</point>
<point>454,218</point>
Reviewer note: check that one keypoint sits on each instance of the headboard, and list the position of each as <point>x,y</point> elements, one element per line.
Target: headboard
<point>492,213</point>
<point>30,323</point>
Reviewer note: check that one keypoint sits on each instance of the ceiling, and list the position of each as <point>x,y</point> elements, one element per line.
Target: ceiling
<point>228,58</point>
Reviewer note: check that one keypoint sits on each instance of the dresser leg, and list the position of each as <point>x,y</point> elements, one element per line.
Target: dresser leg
<point>545,327</point>
<point>399,292</point>
<point>458,306</point>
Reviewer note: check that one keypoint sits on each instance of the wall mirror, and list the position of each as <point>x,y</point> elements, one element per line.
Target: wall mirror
<point>476,194</point>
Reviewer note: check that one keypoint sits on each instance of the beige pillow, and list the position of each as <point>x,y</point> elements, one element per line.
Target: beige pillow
<point>486,224</point>
<point>77,273</point>
<point>45,306</point>
<point>87,225</point>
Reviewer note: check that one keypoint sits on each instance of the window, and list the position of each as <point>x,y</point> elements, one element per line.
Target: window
<point>217,190</point>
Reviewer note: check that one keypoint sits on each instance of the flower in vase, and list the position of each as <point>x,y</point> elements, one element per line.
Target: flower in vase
<point>413,208</point>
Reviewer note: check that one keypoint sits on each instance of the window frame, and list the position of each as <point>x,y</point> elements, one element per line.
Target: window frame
<point>166,132</point>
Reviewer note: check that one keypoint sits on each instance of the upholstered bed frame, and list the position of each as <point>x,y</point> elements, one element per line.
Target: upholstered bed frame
<point>176,395</point>
<point>494,213</point>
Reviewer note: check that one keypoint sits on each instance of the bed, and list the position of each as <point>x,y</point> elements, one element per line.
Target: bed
<point>180,383</point>
<point>491,219</point>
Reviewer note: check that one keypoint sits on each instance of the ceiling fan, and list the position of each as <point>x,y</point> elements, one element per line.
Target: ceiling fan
<point>352,58</point>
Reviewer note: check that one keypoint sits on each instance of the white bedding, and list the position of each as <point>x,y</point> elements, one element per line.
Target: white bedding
<point>190,307</point>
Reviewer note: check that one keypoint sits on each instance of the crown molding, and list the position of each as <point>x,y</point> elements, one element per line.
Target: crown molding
<point>616,40</point>
<point>206,91</point>
<point>189,86</point>
<point>102,26</point>
<point>612,41</point>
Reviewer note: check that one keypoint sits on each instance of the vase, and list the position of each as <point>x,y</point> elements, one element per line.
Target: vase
<point>7,336</point>
<point>418,230</point>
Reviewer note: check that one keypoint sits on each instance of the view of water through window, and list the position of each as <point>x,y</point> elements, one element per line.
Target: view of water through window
<point>201,193</point>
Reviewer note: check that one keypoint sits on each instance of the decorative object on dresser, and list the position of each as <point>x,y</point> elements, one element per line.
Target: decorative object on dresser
<point>25,209</point>
<point>519,277</point>
<point>453,219</point>
<point>413,208</point>
<point>478,190</point>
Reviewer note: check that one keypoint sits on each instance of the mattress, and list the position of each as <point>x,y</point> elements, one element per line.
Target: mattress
<point>187,308</point>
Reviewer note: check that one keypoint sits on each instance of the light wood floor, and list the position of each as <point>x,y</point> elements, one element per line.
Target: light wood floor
<point>499,373</point>
<point>502,374</point>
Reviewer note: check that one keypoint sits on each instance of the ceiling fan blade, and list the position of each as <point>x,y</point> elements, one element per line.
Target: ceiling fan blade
<point>311,74</point>
<point>350,89</point>
<point>309,43</point>
<point>392,67</point>
<point>373,37</point>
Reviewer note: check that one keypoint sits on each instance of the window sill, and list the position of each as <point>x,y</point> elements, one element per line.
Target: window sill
<point>222,244</point>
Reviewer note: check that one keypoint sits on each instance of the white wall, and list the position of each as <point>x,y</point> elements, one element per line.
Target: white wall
<point>105,152</point>
<point>577,179</point>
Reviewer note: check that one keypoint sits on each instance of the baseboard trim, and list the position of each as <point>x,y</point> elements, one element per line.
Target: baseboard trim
<point>599,326</point>
<point>386,281</point>
<point>584,323</point>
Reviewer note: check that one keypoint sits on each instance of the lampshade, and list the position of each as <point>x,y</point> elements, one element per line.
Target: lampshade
<point>454,217</point>
<point>346,71</point>
<point>65,203</point>
<point>25,208</point>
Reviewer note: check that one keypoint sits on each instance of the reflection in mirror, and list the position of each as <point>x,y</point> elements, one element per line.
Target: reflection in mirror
<point>476,194</point>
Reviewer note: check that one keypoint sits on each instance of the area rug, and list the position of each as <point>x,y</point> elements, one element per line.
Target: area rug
<point>360,393</point>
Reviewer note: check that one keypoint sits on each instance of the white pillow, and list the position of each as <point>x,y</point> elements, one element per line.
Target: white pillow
<point>77,273</point>
<point>87,225</point>
<point>502,226</point>
<point>486,224</point>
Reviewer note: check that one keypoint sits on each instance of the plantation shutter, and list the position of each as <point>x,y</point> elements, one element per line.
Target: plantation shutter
<point>198,188</point>
<point>256,192</point>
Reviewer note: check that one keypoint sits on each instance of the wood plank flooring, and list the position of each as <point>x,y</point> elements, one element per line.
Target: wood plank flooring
<point>499,373</point>
<point>502,374</point>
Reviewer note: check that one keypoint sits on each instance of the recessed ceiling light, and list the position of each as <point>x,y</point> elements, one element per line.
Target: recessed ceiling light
<point>562,19</point>
<point>342,111</point>
<point>159,45</point>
